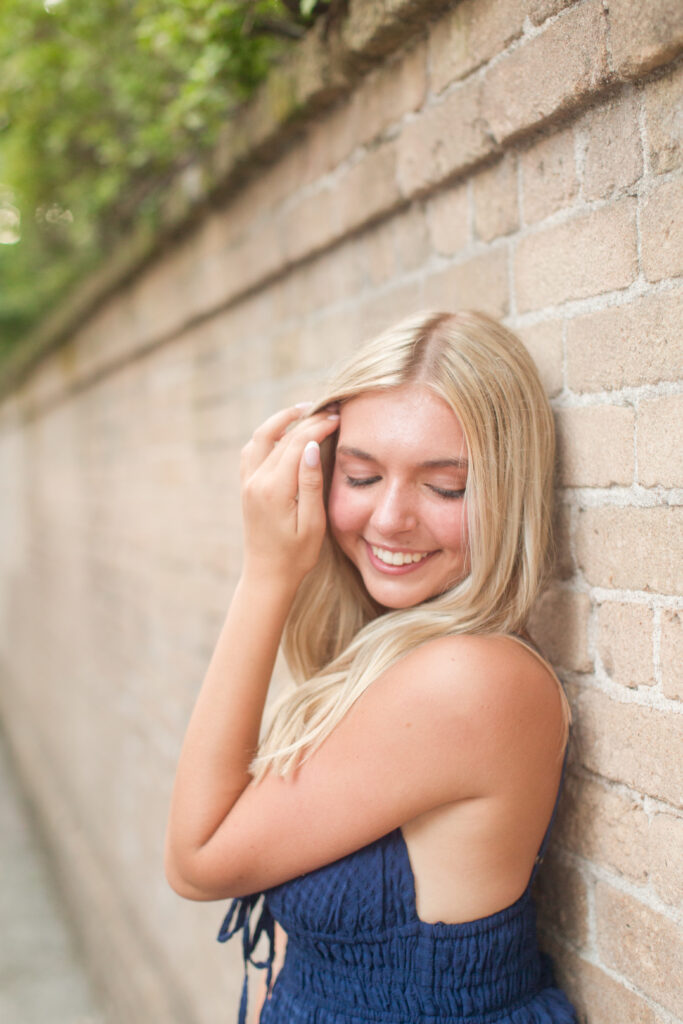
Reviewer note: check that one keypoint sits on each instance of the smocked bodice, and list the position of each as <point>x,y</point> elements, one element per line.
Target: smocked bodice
<point>357,951</point>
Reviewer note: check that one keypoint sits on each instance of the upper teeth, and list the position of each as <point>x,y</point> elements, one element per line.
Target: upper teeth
<point>397,557</point>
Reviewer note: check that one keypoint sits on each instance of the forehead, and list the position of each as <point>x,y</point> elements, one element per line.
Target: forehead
<point>412,418</point>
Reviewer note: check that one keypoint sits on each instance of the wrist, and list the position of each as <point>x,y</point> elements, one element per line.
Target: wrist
<point>266,587</point>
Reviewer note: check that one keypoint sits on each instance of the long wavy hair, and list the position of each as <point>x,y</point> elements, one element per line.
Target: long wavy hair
<point>337,640</point>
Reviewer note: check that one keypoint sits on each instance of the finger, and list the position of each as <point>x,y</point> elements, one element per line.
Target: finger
<point>266,436</point>
<point>283,464</point>
<point>310,508</point>
<point>312,428</point>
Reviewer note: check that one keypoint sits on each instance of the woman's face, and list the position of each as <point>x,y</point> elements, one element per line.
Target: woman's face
<point>396,504</point>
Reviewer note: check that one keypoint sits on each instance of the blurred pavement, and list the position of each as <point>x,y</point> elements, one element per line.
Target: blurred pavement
<point>41,978</point>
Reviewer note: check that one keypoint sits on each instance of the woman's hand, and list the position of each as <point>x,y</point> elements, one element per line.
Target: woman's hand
<point>284,524</point>
<point>282,494</point>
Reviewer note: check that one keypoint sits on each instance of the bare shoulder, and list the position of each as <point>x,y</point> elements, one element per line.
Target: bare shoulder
<point>494,685</point>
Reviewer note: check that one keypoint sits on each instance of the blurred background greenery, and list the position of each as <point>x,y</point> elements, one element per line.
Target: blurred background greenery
<point>101,103</point>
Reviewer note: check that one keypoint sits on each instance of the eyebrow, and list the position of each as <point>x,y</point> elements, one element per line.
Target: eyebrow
<point>358,453</point>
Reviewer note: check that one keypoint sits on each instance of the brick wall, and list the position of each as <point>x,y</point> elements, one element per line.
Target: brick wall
<point>520,157</point>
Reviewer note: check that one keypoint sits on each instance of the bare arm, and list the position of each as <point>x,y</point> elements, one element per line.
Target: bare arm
<point>284,524</point>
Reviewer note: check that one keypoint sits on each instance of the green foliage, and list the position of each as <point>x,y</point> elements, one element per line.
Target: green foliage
<point>100,101</point>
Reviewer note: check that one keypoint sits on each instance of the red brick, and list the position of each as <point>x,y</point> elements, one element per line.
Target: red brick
<point>589,254</point>
<point>549,74</point>
<point>632,548</point>
<point>644,35</point>
<point>661,231</point>
<point>637,343</point>
<point>642,945</point>
<point>469,35</point>
<point>444,139</point>
<point>630,743</point>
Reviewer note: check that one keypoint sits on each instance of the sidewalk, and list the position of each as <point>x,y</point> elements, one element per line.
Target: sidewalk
<point>41,979</point>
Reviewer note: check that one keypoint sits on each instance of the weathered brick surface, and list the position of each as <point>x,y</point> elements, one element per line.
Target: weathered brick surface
<point>666,857</point>
<point>560,627</point>
<point>663,101</point>
<point>449,220</point>
<point>660,452</point>
<point>472,154</point>
<point>388,93</point>
<point>469,35</point>
<point>549,74</point>
<point>496,210</point>
<point>637,343</point>
<point>599,255</point>
<point>625,643</point>
<point>613,157</point>
<point>631,743</point>
<point>443,140</point>
<point>562,895</point>
<point>605,826</point>
<point>634,548</point>
<point>481,282</point>
<point>599,999</point>
<point>644,36</point>
<point>661,232</point>
<point>544,342</point>
<point>642,944</point>
<point>582,463</point>
<point>549,176</point>
<point>539,10</point>
<point>672,654</point>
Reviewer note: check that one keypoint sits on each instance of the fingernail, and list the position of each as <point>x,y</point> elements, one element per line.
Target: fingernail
<point>312,454</point>
<point>304,406</point>
<point>333,416</point>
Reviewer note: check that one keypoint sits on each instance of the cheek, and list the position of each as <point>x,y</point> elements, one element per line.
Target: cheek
<point>452,529</point>
<point>342,509</point>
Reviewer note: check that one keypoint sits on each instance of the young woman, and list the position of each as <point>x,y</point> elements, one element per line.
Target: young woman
<point>395,537</point>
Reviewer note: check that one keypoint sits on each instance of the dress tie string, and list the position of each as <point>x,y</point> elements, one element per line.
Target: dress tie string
<point>239,917</point>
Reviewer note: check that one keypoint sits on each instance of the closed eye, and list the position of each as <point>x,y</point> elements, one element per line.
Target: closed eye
<point>443,492</point>
<point>361,481</point>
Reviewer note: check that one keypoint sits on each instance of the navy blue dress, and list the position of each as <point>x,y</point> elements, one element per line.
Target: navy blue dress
<point>357,952</point>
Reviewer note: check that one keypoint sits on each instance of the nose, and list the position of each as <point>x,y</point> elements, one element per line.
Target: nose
<point>394,512</point>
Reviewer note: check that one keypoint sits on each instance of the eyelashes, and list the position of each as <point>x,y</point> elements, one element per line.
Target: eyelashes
<point>443,492</point>
<point>361,481</point>
<point>446,493</point>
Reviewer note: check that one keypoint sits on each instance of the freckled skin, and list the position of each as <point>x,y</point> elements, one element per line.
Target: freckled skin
<point>398,503</point>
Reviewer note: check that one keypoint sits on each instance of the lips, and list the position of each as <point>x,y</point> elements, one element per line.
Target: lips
<point>396,563</point>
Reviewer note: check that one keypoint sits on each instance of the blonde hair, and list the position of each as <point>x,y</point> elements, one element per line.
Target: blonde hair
<point>337,640</point>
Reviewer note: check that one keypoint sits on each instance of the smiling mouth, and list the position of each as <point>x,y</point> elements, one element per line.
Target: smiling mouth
<point>398,559</point>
